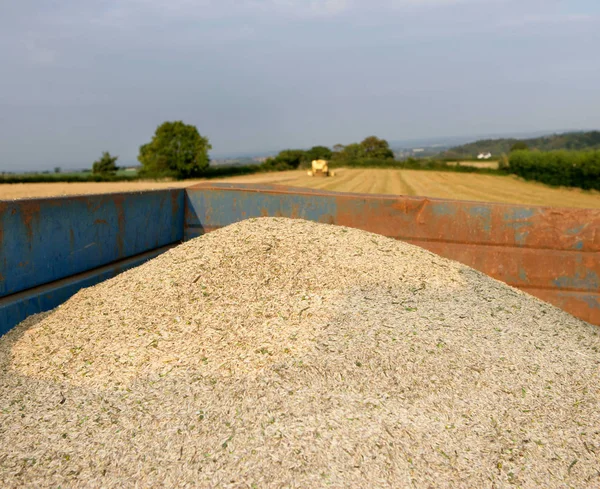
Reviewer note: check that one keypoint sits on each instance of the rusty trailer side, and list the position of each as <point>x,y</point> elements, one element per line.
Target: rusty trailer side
<point>51,248</point>
<point>551,253</point>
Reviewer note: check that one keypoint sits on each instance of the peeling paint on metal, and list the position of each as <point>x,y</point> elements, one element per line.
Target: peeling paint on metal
<point>523,275</point>
<point>576,230</point>
<point>519,214</point>
<point>443,209</point>
<point>484,214</point>
<point>521,237</point>
<point>587,281</point>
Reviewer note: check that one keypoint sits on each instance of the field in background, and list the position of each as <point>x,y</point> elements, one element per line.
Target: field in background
<point>476,164</point>
<point>485,188</point>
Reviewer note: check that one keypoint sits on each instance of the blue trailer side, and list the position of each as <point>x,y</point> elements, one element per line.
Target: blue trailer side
<point>43,240</point>
<point>50,248</point>
<point>17,307</point>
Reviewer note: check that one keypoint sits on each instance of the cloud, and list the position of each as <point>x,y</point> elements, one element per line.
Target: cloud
<point>129,10</point>
<point>37,53</point>
<point>329,7</point>
<point>552,19</point>
<point>302,8</point>
<point>210,9</point>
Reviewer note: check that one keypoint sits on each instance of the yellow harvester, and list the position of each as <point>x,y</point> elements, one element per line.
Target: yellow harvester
<point>320,168</point>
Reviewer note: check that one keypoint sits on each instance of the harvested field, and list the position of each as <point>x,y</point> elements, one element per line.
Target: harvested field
<point>476,164</point>
<point>284,353</point>
<point>443,185</point>
<point>460,186</point>
<point>37,190</point>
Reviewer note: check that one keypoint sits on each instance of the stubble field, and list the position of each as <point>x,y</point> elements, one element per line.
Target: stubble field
<point>446,185</point>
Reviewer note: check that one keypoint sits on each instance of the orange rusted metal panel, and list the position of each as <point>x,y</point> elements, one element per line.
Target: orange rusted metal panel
<point>552,253</point>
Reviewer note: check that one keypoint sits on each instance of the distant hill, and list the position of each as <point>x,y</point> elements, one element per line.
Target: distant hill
<point>570,140</point>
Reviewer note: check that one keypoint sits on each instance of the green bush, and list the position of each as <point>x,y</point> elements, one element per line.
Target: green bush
<point>107,165</point>
<point>567,168</point>
<point>410,164</point>
<point>288,159</point>
<point>230,171</point>
<point>72,178</point>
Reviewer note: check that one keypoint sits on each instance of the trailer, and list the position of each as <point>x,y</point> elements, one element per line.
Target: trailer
<point>50,248</point>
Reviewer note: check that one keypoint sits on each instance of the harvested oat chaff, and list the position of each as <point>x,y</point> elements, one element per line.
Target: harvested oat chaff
<point>284,353</point>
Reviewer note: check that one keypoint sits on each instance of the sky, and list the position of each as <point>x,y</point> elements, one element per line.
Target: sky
<point>81,77</point>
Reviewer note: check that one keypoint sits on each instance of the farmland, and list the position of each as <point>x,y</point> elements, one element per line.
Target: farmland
<point>446,185</point>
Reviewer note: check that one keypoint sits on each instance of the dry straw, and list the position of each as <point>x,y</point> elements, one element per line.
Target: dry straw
<point>283,353</point>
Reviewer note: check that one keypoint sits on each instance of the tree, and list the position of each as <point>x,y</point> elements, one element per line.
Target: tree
<point>288,159</point>
<point>176,150</point>
<point>291,157</point>
<point>318,153</point>
<point>519,146</point>
<point>57,169</point>
<point>105,165</point>
<point>351,151</point>
<point>373,147</point>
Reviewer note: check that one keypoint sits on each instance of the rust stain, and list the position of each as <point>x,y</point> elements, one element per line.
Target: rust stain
<point>174,204</point>
<point>295,211</point>
<point>119,200</point>
<point>585,306</point>
<point>327,219</point>
<point>92,204</point>
<point>174,212</point>
<point>2,210</point>
<point>100,221</point>
<point>30,211</point>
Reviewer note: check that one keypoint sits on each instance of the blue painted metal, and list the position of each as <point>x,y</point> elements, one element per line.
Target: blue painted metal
<point>238,205</point>
<point>43,240</point>
<point>16,308</point>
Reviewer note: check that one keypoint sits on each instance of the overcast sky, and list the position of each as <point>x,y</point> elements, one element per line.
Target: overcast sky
<point>81,77</point>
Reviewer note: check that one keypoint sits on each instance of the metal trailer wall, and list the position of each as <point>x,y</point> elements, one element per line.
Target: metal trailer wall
<point>551,253</point>
<point>50,248</point>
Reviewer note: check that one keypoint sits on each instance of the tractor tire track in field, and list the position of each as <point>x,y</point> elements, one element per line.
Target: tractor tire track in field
<point>360,182</point>
<point>401,183</point>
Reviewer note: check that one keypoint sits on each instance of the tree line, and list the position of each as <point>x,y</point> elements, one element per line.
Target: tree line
<point>371,149</point>
<point>560,168</point>
<point>178,150</point>
<point>572,141</point>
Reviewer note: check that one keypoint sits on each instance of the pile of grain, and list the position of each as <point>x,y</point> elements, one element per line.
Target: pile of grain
<point>283,353</point>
